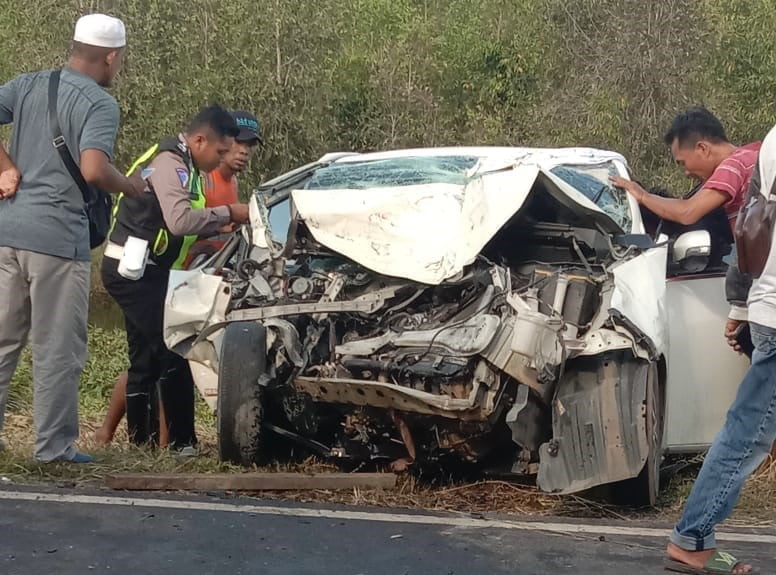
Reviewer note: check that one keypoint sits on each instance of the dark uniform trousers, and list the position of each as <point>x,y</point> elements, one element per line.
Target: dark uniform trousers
<point>154,371</point>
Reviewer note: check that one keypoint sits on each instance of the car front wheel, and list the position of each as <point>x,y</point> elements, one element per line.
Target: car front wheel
<point>240,408</point>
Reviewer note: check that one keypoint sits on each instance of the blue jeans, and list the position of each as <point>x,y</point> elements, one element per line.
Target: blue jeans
<point>738,450</point>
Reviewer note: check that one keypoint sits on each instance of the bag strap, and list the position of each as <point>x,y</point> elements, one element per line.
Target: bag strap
<point>59,140</point>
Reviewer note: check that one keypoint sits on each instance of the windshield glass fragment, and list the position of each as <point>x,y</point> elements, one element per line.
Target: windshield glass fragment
<point>593,182</point>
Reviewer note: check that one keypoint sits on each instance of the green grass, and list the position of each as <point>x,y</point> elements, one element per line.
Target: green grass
<point>107,359</point>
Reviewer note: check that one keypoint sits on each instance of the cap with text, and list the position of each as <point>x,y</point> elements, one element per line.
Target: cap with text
<point>100,30</point>
<point>250,129</point>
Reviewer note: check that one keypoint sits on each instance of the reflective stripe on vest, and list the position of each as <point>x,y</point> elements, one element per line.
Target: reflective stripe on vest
<point>147,155</point>
<point>196,197</point>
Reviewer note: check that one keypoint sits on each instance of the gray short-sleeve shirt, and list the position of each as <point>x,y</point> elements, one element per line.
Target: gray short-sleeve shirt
<point>47,214</point>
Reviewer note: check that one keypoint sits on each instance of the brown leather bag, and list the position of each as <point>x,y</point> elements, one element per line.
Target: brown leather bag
<point>754,227</point>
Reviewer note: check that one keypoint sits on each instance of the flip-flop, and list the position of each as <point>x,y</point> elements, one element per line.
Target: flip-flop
<point>720,562</point>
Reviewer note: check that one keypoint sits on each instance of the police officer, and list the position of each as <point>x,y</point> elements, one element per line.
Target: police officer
<point>221,186</point>
<point>221,189</point>
<point>167,218</point>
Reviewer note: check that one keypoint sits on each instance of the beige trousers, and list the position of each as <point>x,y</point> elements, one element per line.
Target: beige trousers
<point>46,299</point>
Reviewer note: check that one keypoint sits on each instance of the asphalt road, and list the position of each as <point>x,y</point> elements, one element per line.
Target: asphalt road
<point>76,534</point>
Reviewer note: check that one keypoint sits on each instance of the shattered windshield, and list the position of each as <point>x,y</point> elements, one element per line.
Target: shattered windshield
<point>593,182</point>
<point>590,180</point>
<point>394,172</point>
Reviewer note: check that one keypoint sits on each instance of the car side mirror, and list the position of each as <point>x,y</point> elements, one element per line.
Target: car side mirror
<point>692,250</point>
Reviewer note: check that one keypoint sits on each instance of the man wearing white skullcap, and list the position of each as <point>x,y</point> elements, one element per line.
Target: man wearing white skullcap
<point>64,131</point>
<point>100,30</point>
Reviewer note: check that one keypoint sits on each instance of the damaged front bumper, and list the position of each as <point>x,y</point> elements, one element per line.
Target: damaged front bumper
<point>589,392</point>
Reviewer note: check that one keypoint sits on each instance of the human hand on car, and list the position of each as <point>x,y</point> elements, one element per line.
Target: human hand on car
<point>629,186</point>
<point>239,213</point>
<point>733,328</point>
<point>9,183</point>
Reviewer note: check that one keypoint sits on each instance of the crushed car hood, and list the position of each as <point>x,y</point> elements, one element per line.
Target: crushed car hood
<point>431,231</point>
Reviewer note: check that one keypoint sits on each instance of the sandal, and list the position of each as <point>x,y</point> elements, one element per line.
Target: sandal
<point>720,562</point>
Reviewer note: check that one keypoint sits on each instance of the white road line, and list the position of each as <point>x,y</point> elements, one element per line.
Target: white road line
<point>376,516</point>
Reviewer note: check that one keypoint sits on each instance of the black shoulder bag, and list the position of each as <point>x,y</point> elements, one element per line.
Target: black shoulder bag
<point>98,204</point>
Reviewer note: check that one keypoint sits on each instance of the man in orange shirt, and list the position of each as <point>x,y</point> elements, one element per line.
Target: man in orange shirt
<point>221,184</point>
<point>220,190</point>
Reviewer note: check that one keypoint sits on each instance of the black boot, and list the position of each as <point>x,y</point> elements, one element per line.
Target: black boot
<point>139,422</point>
<point>176,389</point>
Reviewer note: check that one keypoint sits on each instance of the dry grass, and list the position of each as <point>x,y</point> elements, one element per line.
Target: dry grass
<point>16,465</point>
<point>758,501</point>
<point>757,505</point>
<point>479,498</point>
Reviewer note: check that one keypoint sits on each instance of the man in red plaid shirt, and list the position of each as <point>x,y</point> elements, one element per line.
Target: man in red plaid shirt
<point>700,146</point>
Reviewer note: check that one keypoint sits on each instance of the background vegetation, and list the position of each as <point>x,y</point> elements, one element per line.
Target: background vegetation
<point>376,74</point>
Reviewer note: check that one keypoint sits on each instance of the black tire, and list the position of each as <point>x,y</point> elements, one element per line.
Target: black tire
<point>240,409</point>
<point>644,489</point>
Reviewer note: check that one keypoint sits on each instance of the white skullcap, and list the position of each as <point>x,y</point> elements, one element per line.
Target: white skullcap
<point>100,30</point>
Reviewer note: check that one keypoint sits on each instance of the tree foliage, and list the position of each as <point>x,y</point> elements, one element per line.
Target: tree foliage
<point>380,74</point>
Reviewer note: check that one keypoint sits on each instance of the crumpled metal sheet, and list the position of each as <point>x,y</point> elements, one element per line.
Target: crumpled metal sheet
<point>477,407</point>
<point>599,424</point>
<point>429,232</point>
<point>194,300</point>
<point>639,295</point>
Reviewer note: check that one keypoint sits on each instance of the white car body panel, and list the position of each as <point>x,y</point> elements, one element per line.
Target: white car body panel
<point>497,157</point>
<point>206,381</point>
<point>422,233</point>
<point>639,294</point>
<point>194,300</point>
<point>703,371</point>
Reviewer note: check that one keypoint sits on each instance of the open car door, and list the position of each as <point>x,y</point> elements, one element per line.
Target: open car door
<point>703,371</point>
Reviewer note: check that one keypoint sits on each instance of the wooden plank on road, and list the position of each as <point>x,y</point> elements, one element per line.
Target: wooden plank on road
<point>250,481</point>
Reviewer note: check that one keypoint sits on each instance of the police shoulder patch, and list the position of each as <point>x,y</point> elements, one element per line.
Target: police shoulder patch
<point>183,176</point>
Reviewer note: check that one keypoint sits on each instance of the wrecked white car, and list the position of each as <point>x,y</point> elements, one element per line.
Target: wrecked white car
<point>498,306</point>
